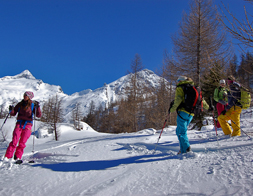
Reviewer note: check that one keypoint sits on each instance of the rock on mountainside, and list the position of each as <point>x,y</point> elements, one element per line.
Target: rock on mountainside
<point>13,87</point>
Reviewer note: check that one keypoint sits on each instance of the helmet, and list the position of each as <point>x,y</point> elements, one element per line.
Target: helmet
<point>181,78</point>
<point>222,82</point>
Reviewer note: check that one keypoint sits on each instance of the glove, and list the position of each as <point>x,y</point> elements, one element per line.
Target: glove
<point>171,105</point>
<point>222,102</point>
<point>11,107</point>
<point>223,112</point>
<point>36,104</point>
<point>211,108</point>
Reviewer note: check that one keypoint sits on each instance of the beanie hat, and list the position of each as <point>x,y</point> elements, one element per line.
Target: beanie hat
<point>29,94</point>
<point>222,82</point>
<point>181,78</point>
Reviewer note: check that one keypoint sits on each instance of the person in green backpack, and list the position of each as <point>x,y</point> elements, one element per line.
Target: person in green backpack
<point>220,97</point>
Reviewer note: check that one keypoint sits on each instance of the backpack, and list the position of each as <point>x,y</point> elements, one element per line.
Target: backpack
<point>245,98</point>
<point>192,99</point>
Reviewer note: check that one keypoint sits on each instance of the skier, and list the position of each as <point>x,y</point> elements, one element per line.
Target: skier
<point>183,118</point>
<point>23,128</point>
<point>232,110</point>
<point>220,96</point>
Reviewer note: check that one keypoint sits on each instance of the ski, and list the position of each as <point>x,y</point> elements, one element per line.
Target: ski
<point>20,162</point>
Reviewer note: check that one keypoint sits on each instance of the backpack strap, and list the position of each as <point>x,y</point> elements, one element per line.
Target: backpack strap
<point>219,89</point>
<point>32,106</point>
<point>196,98</point>
<point>182,103</point>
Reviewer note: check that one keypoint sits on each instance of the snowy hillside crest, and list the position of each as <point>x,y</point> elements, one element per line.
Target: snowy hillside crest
<point>13,88</point>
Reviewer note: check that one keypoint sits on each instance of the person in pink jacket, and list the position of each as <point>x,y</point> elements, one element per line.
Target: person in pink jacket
<point>23,129</point>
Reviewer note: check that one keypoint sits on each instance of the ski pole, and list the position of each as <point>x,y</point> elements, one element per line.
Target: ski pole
<point>34,129</point>
<point>161,133</point>
<point>214,121</point>
<point>32,161</point>
<point>237,126</point>
<point>5,120</point>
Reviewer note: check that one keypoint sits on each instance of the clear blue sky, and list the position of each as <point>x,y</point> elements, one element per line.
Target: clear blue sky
<point>82,44</point>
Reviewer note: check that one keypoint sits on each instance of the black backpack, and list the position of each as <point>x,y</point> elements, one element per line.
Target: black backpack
<point>192,99</point>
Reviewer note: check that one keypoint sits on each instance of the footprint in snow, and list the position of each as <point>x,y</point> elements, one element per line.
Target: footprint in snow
<point>72,147</point>
<point>211,170</point>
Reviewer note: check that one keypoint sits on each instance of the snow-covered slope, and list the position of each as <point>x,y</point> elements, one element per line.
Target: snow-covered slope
<point>13,87</point>
<point>97,164</point>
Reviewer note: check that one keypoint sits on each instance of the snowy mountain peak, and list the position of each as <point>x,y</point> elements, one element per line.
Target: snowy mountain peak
<point>12,89</point>
<point>147,72</point>
<point>25,74</point>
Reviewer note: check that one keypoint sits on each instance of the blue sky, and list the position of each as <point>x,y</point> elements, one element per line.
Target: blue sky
<point>82,44</point>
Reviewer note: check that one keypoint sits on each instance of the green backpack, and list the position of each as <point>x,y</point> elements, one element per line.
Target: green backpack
<point>245,98</point>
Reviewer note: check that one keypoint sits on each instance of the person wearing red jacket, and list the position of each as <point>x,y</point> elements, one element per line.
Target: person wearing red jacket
<point>23,129</point>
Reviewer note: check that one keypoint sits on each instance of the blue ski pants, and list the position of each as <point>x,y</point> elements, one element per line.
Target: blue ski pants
<point>182,123</point>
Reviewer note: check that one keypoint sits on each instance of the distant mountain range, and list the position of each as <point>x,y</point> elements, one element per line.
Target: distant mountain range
<point>12,89</point>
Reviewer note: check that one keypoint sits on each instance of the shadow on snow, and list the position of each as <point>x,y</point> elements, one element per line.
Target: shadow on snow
<point>103,164</point>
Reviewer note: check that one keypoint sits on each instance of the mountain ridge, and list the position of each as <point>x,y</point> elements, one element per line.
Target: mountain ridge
<point>12,89</point>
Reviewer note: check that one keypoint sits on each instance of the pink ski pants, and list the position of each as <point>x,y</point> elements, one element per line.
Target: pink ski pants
<point>20,137</point>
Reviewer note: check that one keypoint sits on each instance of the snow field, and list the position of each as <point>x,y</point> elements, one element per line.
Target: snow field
<point>91,163</point>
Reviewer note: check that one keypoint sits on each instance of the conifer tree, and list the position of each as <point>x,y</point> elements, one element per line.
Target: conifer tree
<point>134,95</point>
<point>90,118</point>
<point>76,116</point>
<point>200,40</point>
<point>52,114</point>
